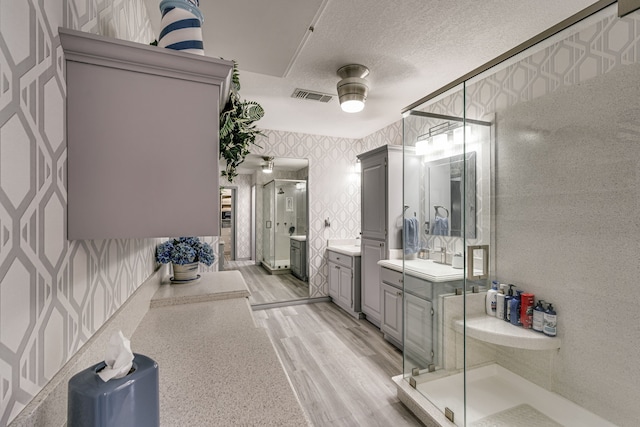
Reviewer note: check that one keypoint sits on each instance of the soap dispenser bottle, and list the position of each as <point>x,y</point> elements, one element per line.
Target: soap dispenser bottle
<point>515,309</point>
<point>550,321</point>
<point>491,299</point>
<point>538,316</point>
<point>507,303</point>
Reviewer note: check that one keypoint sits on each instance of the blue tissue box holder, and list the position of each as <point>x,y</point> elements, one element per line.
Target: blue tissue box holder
<point>130,401</point>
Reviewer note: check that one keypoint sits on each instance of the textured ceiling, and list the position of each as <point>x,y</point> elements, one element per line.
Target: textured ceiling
<point>412,47</point>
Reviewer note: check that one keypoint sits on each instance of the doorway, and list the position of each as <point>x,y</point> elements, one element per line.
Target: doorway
<point>228,222</point>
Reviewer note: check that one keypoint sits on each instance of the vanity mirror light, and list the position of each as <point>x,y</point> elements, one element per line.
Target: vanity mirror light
<point>453,166</point>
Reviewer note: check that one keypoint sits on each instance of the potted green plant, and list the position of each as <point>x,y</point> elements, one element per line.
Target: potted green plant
<point>185,253</point>
<point>238,131</point>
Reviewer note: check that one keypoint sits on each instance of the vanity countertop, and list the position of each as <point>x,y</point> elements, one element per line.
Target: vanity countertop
<point>350,250</point>
<point>298,238</point>
<point>210,287</point>
<point>425,269</point>
<point>216,367</point>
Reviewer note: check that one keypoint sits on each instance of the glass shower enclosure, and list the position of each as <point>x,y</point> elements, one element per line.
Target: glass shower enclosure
<point>521,175</point>
<point>284,215</point>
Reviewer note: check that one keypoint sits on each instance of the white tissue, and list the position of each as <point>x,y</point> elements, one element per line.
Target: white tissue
<point>118,357</point>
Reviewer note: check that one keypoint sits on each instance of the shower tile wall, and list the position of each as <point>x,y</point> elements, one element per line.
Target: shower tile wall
<point>54,294</point>
<point>567,194</point>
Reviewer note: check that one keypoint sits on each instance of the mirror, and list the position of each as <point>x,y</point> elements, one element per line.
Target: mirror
<point>276,217</point>
<point>445,199</point>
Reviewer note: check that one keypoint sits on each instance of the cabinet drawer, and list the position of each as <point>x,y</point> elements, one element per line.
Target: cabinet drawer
<point>391,277</point>
<point>338,258</point>
<point>419,287</point>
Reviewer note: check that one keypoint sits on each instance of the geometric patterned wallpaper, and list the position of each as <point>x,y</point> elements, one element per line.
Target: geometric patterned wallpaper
<point>54,294</point>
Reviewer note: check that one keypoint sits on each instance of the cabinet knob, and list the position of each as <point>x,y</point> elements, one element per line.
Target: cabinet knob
<point>399,293</point>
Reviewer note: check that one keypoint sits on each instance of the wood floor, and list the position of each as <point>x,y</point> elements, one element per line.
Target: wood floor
<point>267,288</point>
<point>340,367</point>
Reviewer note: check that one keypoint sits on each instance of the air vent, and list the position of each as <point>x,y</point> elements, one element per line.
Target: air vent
<point>311,95</point>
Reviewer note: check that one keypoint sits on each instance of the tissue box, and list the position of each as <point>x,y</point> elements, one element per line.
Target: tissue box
<point>130,401</point>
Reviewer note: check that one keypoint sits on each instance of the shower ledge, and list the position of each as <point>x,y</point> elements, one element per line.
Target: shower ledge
<point>495,331</point>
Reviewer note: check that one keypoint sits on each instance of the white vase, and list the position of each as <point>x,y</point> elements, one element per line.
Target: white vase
<point>184,273</point>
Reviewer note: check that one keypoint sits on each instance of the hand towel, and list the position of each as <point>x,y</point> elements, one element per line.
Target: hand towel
<point>440,226</point>
<point>411,236</point>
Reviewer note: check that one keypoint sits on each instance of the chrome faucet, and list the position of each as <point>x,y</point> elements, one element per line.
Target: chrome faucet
<point>443,255</point>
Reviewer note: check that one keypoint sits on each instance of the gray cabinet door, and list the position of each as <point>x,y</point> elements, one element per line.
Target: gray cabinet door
<point>346,287</point>
<point>295,261</point>
<point>418,338</point>
<point>374,193</point>
<point>334,281</point>
<point>371,251</point>
<point>391,322</point>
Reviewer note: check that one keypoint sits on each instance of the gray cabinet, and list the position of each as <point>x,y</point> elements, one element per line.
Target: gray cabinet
<point>142,139</point>
<point>391,313</point>
<point>414,299</point>
<point>381,213</point>
<point>298,258</point>
<point>371,251</point>
<point>344,281</point>
<point>420,336</point>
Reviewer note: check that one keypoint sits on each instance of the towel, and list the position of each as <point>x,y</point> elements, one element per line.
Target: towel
<point>440,226</point>
<point>411,236</point>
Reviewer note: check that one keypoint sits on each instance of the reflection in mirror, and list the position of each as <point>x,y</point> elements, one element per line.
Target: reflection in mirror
<point>445,199</point>
<point>450,163</point>
<point>277,269</point>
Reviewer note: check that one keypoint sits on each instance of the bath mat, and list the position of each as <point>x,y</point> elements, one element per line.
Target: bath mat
<point>519,416</point>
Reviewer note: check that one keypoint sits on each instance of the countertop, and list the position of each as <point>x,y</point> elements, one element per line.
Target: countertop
<point>216,367</point>
<point>351,250</point>
<point>425,269</point>
<point>210,287</point>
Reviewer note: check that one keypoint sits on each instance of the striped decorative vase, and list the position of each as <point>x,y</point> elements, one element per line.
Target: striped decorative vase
<point>181,26</point>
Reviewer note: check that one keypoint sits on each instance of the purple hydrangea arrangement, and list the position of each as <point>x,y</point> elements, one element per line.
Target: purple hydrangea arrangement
<point>185,250</point>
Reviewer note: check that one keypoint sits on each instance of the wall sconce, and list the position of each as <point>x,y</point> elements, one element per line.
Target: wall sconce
<point>268,166</point>
<point>357,167</point>
<point>353,88</point>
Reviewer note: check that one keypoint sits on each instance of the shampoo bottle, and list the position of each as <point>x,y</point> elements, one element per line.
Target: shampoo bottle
<point>550,321</point>
<point>500,303</point>
<point>538,316</point>
<point>507,308</point>
<point>526,310</point>
<point>515,309</point>
<point>491,299</point>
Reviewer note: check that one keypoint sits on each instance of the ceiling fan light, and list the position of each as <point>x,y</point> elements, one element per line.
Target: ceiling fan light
<point>353,88</point>
<point>352,106</point>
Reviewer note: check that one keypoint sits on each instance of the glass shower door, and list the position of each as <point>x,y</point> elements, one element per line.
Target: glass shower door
<point>436,174</point>
<point>268,218</point>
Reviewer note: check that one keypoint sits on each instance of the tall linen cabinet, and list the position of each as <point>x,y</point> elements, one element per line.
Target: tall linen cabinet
<point>381,220</point>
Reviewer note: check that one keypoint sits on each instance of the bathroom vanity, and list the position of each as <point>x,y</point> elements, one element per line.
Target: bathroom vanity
<point>423,283</point>
<point>298,256</point>
<point>343,262</point>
